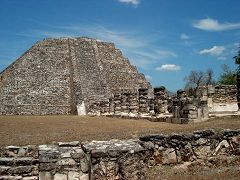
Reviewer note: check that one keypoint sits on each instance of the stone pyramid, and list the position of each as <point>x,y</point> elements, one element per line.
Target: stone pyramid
<point>58,76</point>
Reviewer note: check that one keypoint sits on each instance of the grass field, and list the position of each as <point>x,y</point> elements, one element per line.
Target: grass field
<point>23,130</point>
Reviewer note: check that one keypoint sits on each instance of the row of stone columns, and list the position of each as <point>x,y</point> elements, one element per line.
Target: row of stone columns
<point>133,103</point>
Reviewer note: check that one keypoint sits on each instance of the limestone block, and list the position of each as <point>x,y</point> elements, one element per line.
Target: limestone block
<point>30,178</point>
<point>6,161</point>
<point>84,177</point>
<point>202,151</point>
<point>84,164</point>
<point>72,175</point>
<point>66,162</point>
<point>43,175</point>
<point>21,170</point>
<point>69,144</point>
<point>11,177</point>
<point>222,147</point>
<point>59,176</point>
<point>169,156</point>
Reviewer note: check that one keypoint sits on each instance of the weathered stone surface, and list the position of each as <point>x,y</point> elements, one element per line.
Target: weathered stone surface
<point>47,166</point>
<point>4,169</point>
<point>10,177</point>
<point>43,175</point>
<point>21,170</point>
<point>148,145</point>
<point>58,76</point>
<point>102,148</point>
<point>122,159</point>
<point>69,144</point>
<point>84,177</point>
<point>60,177</point>
<point>202,151</point>
<point>169,156</point>
<point>25,161</point>
<point>85,165</point>
<point>30,178</point>
<point>222,147</point>
<point>66,162</point>
<point>77,154</point>
<point>72,175</point>
<point>6,161</point>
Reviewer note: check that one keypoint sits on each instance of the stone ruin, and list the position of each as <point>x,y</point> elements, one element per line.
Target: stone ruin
<point>210,101</point>
<point>186,108</point>
<point>69,76</point>
<point>120,159</point>
<point>88,77</point>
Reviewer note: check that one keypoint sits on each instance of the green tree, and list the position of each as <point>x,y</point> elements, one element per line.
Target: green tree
<point>228,76</point>
<point>237,61</point>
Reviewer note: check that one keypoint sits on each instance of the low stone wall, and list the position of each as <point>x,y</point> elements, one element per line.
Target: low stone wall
<point>116,159</point>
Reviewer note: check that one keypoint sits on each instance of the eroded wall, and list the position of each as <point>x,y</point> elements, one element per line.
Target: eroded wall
<point>118,159</point>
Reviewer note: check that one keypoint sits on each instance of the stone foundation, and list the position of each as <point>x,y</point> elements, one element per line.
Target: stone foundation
<point>116,159</point>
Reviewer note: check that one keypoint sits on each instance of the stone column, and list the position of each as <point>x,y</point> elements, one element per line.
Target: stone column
<point>160,102</point>
<point>133,104</point>
<point>151,106</point>
<point>176,108</point>
<point>143,101</point>
<point>205,110</point>
<point>124,103</point>
<point>105,109</point>
<point>117,104</point>
<point>189,111</point>
<point>111,106</point>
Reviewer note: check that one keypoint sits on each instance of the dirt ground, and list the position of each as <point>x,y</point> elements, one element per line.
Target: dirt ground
<point>23,130</point>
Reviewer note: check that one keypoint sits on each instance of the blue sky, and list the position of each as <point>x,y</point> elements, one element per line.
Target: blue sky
<point>165,39</point>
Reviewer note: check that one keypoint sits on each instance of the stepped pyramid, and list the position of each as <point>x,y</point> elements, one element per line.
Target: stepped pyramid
<point>56,76</point>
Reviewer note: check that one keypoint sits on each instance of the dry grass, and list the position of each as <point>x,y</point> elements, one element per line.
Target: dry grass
<point>22,130</point>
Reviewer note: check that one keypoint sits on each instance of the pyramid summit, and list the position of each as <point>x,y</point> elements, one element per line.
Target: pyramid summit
<point>61,76</point>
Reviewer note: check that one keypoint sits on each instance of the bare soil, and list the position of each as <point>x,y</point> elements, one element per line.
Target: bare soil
<point>23,130</point>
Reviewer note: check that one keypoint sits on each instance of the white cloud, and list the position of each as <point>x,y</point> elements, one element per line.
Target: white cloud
<point>156,54</point>
<point>148,77</point>
<point>184,36</point>
<point>214,51</point>
<point>222,58</point>
<point>169,67</point>
<point>209,24</point>
<point>133,2</point>
<point>165,54</point>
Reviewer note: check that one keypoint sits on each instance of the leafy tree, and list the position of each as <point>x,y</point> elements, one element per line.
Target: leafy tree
<point>228,76</point>
<point>237,61</point>
<point>237,58</point>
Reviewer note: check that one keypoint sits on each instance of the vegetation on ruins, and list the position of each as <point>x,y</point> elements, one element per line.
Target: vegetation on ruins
<point>237,61</point>
<point>228,76</point>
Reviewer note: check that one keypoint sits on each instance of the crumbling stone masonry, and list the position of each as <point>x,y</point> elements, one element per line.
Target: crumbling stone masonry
<point>66,76</point>
<point>118,159</point>
<point>189,109</point>
<point>221,98</point>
